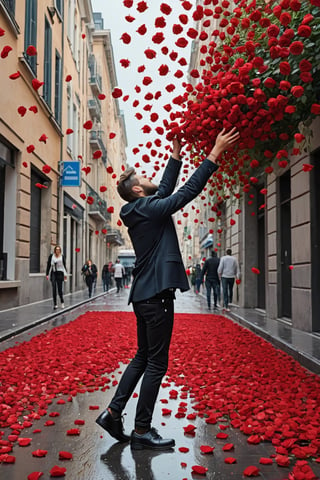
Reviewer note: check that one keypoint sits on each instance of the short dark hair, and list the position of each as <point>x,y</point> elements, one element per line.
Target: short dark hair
<point>213,253</point>
<point>229,251</point>
<point>127,180</point>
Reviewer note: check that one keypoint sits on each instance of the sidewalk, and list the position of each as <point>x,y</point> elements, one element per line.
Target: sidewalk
<point>303,346</point>
<point>19,319</point>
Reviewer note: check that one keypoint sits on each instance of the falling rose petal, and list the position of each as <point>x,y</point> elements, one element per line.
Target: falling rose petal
<point>94,407</point>
<point>112,135</point>
<point>30,148</point>
<point>31,51</point>
<point>199,469</point>
<point>57,471</point>
<point>15,75</point>
<point>126,38</point>
<point>119,223</point>
<point>65,455</point>
<point>251,471</point>
<point>22,110</point>
<point>2,32</point>
<point>5,51</point>
<point>88,125</point>
<point>117,92</point>
<point>101,96</point>
<point>97,154</point>
<point>68,78</point>
<point>142,7</point>
<point>109,169</point>
<point>34,475</point>
<point>43,138</point>
<point>103,188</point>
<point>33,108</point>
<point>110,209</point>
<point>306,167</point>
<point>206,449</point>
<point>255,270</point>
<point>69,131</point>
<point>36,84</point>
<point>291,267</point>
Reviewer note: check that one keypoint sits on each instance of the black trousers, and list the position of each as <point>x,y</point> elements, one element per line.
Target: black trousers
<point>118,283</point>
<point>89,282</point>
<point>154,330</point>
<point>57,282</point>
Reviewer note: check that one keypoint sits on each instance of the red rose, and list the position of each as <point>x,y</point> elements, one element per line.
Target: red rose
<point>31,51</point>
<point>285,68</point>
<point>296,48</point>
<point>88,125</point>
<point>273,30</point>
<point>163,70</point>
<point>297,91</point>
<point>160,22</point>
<point>304,31</point>
<point>315,108</point>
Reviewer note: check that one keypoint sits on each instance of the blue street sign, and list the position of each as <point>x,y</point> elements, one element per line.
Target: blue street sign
<point>71,174</point>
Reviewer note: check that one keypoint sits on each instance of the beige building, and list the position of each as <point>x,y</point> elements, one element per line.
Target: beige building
<point>282,239</point>
<point>41,127</point>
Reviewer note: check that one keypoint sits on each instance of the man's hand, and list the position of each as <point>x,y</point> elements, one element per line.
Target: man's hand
<point>223,142</point>
<point>176,148</point>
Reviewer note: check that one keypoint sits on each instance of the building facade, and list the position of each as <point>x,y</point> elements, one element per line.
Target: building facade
<point>54,67</point>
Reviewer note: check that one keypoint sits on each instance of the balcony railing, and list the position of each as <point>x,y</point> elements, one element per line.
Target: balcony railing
<point>95,78</point>
<point>113,236</point>
<point>98,209</point>
<point>97,142</point>
<point>94,108</point>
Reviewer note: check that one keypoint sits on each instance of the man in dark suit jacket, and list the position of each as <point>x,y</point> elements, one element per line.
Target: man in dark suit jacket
<point>158,272</point>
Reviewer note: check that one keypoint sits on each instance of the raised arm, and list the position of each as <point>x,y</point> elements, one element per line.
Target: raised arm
<point>171,173</point>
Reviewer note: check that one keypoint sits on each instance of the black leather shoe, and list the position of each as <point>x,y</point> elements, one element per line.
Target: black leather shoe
<point>150,440</point>
<point>113,426</point>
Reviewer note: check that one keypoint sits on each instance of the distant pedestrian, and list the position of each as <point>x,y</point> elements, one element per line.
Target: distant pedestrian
<point>106,277</point>
<point>89,271</point>
<point>198,280</point>
<point>95,276</point>
<point>57,273</point>
<point>119,273</point>
<point>228,270</point>
<point>210,270</point>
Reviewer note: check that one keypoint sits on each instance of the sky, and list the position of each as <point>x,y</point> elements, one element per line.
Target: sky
<point>114,13</point>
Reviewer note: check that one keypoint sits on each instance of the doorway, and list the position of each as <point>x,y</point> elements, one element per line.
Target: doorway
<point>315,239</point>
<point>285,245</point>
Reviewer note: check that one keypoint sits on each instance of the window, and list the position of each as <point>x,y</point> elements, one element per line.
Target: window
<point>58,89</point>
<point>30,35</point>
<point>59,7</point>
<point>47,62</point>
<point>35,223</point>
<point>10,6</point>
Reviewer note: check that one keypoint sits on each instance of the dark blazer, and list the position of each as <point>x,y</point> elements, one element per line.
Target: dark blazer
<point>210,269</point>
<point>49,263</point>
<point>153,235</point>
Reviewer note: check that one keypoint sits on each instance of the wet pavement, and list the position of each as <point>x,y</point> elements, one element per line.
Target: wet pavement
<point>96,456</point>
